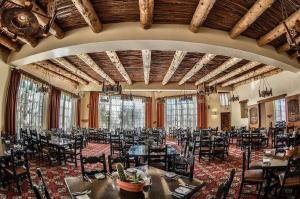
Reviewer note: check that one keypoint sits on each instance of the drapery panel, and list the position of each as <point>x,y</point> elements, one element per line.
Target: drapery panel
<point>160,114</point>
<point>201,112</point>
<point>148,114</point>
<point>78,109</point>
<point>54,108</point>
<point>94,110</point>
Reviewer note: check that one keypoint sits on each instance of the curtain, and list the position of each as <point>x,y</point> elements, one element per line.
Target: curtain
<point>54,108</point>
<point>11,103</point>
<point>94,110</point>
<point>148,114</point>
<point>78,112</point>
<point>160,114</point>
<point>201,112</point>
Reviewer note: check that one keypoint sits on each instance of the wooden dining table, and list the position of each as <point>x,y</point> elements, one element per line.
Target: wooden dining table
<point>142,151</point>
<point>107,188</point>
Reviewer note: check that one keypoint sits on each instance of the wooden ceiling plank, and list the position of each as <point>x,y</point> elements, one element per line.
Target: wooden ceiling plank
<point>254,12</point>
<point>285,47</point>
<point>95,67</point>
<point>249,75</point>
<point>177,59</point>
<point>146,13</point>
<point>69,66</point>
<point>204,60</point>
<point>238,71</point>
<point>201,13</point>
<point>117,63</point>
<point>52,67</point>
<point>8,43</point>
<point>227,64</point>
<point>87,11</point>
<point>279,30</point>
<point>146,54</point>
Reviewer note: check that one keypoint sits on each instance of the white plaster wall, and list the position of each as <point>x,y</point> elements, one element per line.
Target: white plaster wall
<point>4,81</point>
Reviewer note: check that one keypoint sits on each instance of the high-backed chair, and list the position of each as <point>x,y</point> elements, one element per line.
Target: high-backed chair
<point>41,191</point>
<point>98,164</point>
<point>157,156</point>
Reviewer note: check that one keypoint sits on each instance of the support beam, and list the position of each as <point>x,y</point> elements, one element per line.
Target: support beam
<point>54,30</point>
<point>146,54</point>
<point>30,41</point>
<point>91,63</point>
<point>285,47</point>
<point>52,67</point>
<point>238,71</point>
<point>73,69</point>
<point>116,61</point>
<point>227,64</point>
<point>252,74</point>
<point>204,60</point>
<point>280,29</point>
<point>177,59</point>
<point>88,13</point>
<point>201,13</point>
<point>8,43</point>
<point>253,13</point>
<point>146,13</point>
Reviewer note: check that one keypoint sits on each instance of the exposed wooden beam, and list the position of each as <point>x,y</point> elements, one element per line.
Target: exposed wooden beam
<point>204,60</point>
<point>295,55</point>
<point>238,71</point>
<point>87,11</point>
<point>92,64</point>
<point>146,54</point>
<point>54,30</point>
<point>249,75</point>
<point>117,63</point>
<point>177,59</point>
<point>227,64</point>
<point>73,69</point>
<point>253,13</point>
<point>8,43</point>
<point>52,67</point>
<point>280,29</point>
<point>285,47</point>
<point>201,13</point>
<point>146,12</point>
<point>30,41</point>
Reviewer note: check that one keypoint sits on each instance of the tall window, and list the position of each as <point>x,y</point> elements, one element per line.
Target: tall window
<point>224,99</point>
<point>114,112</point>
<point>31,105</point>
<point>66,111</point>
<point>181,114</point>
<point>279,108</point>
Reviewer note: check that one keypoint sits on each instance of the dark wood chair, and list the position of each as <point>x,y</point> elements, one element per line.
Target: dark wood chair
<point>46,149</point>
<point>41,190</point>
<point>93,165</point>
<point>205,147</point>
<point>157,156</point>
<point>73,153</point>
<point>224,187</point>
<point>114,160</point>
<point>116,144</point>
<point>252,164</point>
<point>218,147</point>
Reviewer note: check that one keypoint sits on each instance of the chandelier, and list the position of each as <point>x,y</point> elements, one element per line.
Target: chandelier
<point>206,90</point>
<point>265,89</point>
<point>186,98</point>
<point>112,89</point>
<point>234,97</point>
<point>127,97</point>
<point>42,89</point>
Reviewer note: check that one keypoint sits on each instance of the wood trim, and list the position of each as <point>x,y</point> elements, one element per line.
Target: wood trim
<point>271,99</point>
<point>244,101</point>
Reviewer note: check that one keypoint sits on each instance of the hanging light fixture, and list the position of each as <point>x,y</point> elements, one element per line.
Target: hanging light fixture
<point>234,96</point>
<point>185,97</point>
<point>265,89</point>
<point>203,89</point>
<point>112,89</point>
<point>44,88</point>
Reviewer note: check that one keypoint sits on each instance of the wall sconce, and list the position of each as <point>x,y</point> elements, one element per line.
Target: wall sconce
<point>214,113</point>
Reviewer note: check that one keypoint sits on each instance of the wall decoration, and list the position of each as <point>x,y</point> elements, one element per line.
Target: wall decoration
<point>293,110</point>
<point>253,113</point>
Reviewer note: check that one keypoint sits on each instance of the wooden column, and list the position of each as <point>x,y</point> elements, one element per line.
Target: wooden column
<point>146,12</point>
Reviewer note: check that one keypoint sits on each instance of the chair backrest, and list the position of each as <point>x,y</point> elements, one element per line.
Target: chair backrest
<point>43,185</point>
<point>93,160</point>
<point>157,154</point>
<point>293,168</point>
<point>33,135</point>
<point>228,183</point>
<point>114,160</point>
<point>243,165</point>
<point>19,159</point>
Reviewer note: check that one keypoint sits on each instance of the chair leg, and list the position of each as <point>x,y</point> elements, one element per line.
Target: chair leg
<point>240,192</point>
<point>18,185</point>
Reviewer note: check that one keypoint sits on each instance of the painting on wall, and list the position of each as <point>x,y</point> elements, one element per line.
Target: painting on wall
<point>293,110</point>
<point>253,114</point>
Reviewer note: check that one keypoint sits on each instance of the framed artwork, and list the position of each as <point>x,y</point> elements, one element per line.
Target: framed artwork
<point>293,110</point>
<point>253,114</point>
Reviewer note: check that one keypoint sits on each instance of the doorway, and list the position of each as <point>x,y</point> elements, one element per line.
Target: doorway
<point>225,121</point>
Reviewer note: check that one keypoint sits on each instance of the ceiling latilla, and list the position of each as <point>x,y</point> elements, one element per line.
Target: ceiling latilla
<point>66,64</point>
<point>287,46</point>
<point>8,43</point>
<point>177,59</point>
<point>249,75</point>
<point>253,13</point>
<point>227,64</point>
<point>146,12</point>
<point>91,63</point>
<point>147,64</point>
<point>204,60</point>
<point>238,71</point>
<point>116,61</point>
<point>201,13</point>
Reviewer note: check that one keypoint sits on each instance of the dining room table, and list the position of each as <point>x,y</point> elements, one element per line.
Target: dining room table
<point>161,187</point>
<point>142,151</point>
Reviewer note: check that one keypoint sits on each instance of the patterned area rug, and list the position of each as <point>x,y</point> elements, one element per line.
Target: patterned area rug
<point>213,173</point>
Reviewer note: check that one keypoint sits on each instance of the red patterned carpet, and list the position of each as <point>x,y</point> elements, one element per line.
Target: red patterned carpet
<point>213,173</point>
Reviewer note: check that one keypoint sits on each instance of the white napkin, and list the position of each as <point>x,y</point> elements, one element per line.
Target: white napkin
<point>83,197</point>
<point>182,190</point>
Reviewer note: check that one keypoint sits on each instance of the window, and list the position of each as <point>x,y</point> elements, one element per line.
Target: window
<point>224,99</point>
<point>115,112</point>
<point>244,109</point>
<point>31,105</point>
<point>181,114</point>
<point>66,111</point>
<point>279,108</point>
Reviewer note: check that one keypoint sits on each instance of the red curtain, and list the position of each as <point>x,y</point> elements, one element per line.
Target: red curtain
<point>201,112</point>
<point>160,114</point>
<point>78,112</point>
<point>93,110</point>
<point>54,108</point>
<point>11,103</point>
<point>148,114</point>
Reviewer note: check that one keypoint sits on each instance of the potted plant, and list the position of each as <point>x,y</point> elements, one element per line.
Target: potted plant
<point>125,182</point>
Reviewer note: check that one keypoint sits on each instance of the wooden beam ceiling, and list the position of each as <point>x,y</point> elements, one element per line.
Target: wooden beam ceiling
<point>146,13</point>
<point>146,54</point>
<point>8,43</point>
<point>88,13</point>
<point>253,13</point>
<point>201,13</point>
<point>285,47</point>
<point>117,63</point>
<point>91,63</point>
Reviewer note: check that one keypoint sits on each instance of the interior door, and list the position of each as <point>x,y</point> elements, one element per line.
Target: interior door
<point>225,121</point>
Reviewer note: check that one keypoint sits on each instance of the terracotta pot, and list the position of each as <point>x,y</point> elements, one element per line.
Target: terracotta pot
<point>131,187</point>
